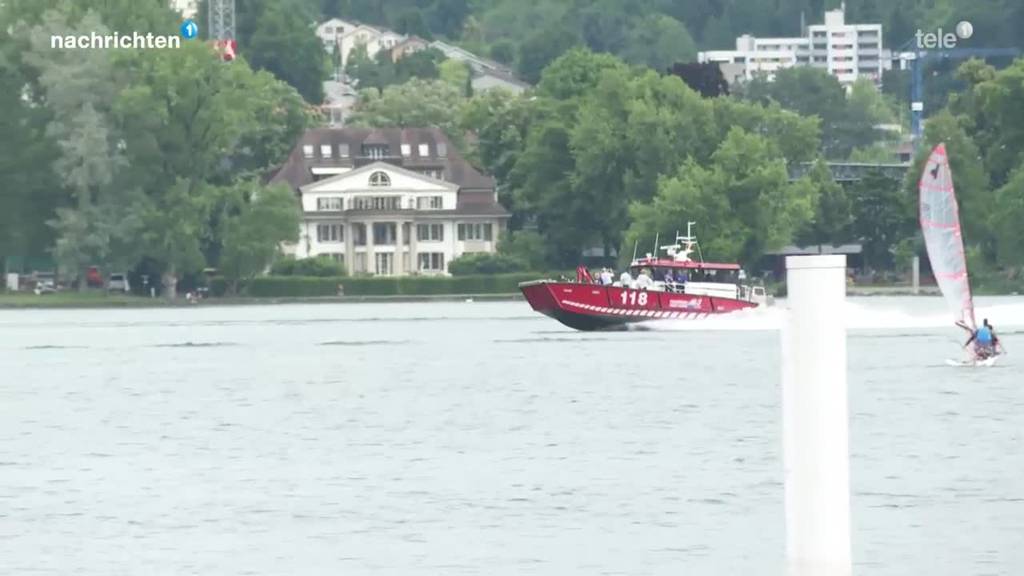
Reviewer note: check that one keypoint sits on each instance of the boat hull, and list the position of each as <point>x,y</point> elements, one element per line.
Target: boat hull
<point>594,307</point>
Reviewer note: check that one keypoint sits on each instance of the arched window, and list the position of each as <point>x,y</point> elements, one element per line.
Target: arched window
<point>379,179</point>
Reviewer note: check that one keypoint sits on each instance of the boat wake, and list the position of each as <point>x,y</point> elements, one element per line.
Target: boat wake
<point>859,316</point>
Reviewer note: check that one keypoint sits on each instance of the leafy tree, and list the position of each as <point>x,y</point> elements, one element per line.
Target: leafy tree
<point>576,73</point>
<point>447,16</point>
<point>883,217</point>
<point>742,200</point>
<point>526,246</point>
<point>284,45</point>
<point>258,222</point>
<point>79,89</point>
<point>413,104</point>
<point>705,78</point>
<point>659,41</point>
<point>833,214</point>
<point>455,73</point>
<point>541,47</point>
<point>424,64</point>
<point>181,135</point>
<point>503,51</point>
<point>412,23</point>
<point>1006,222</point>
<point>29,195</point>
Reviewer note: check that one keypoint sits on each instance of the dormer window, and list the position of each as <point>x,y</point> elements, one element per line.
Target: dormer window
<point>442,149</point>
<point>424,150</point>
<point>406,150</point>
<point>375,152</point>
<point>379,179</point>
<point>342,150</point>
<point>325,151</point>
<point>307,150</point>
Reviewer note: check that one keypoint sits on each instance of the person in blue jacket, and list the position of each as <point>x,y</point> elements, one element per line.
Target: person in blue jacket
<point>985,341</point>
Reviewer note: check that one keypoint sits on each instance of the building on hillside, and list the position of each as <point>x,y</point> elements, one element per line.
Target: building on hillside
<point>390,201</point>
<point>330,31</point>
<point>339,100</point>
<point>486,74</point>
<point>490,79</point>
<point>408,46</point>
<point>373,39</point>
<point>187,8</point>
<point>847,51</point>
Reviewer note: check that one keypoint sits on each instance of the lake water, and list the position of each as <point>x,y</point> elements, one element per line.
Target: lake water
<point>480,438</point>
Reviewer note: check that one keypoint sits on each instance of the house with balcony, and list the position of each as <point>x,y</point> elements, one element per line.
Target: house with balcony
<point>390,201</point>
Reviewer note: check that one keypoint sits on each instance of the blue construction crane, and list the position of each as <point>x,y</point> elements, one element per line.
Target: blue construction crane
<point>919,57</point>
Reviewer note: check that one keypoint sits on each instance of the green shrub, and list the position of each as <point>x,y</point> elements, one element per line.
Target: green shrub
<point>485,263</point>
<point>318,266</point>
<point>308,286</point>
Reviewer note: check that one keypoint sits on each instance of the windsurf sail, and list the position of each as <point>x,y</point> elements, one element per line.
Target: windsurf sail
<point>940,223</point>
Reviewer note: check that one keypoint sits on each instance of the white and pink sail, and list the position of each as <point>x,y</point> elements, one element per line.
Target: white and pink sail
<point>940,223</point>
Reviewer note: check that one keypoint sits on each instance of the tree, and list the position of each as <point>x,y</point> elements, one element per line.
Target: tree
<point>659,41</point>
<point>79,90</point>
<point>742,200</point>
<point>833,211</point>
<point>412,23</point>
<point>181,135</point>
<point>447,16</point>
<point>576,73</point>
<point>541,47</point>
<point>258,221</point>
<point>706,78</point>
<point>503,51</point>
<point>29,196</point>
<point>455,73</point>
<point>284,45</point>
<point>846,123</point>
<point>883,217</point>
<point>1007,220</point>
<point>424,64</point>
<point>413,104</point>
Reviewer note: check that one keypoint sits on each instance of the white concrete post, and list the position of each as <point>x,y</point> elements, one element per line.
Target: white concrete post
<point>816,418</point>
<point>916,274</point>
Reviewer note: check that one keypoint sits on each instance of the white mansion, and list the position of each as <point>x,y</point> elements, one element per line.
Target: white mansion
<point>391,201</point>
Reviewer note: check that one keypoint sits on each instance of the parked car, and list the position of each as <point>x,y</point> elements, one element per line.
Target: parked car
<point>93,278</point>
<point>118,283</point>
<point>45,282</point>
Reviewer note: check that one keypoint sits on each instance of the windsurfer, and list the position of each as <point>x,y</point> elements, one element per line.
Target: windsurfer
<point>985,341</point>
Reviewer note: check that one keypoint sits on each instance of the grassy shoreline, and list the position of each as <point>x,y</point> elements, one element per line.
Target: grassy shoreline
<point>96,299</point>
<point>99,300</point>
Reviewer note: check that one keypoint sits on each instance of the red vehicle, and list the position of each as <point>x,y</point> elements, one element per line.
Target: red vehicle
<point>654,288</point>
<point>93,279</point>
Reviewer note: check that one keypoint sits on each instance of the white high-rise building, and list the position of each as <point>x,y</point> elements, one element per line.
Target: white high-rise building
<point>847,51</point>
<point>187,8</point>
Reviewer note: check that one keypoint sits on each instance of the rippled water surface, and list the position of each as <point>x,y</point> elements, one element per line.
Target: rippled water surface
<point>478,438</point>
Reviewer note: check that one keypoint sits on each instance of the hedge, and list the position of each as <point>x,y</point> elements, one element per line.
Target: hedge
<point>305,286</point>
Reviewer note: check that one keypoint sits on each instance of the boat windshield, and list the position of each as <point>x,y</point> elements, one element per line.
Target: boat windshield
<point>661,274</point>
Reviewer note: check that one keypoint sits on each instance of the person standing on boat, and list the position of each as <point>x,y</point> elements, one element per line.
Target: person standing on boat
<point>606,277</point>
<point>625,279</point>
<point>643,280</point>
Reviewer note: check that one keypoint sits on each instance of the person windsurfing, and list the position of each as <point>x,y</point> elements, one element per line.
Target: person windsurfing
<point>939,215</point>
<point>986,343</point>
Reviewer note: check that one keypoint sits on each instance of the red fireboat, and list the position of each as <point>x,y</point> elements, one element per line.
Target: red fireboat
<point>676,287</point>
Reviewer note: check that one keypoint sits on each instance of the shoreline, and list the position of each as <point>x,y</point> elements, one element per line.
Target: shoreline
<point>73,300</point>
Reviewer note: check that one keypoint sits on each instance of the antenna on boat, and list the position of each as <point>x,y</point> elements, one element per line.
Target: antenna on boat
<point>636,244</point>
<point>657,235</point>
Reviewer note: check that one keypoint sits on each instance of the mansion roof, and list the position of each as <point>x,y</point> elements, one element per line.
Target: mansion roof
<point>425,151</point>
